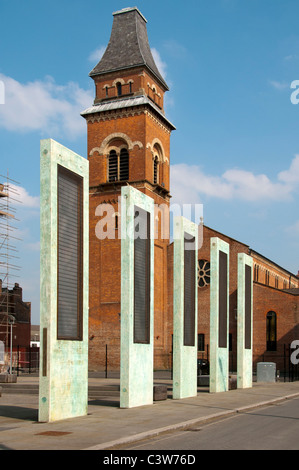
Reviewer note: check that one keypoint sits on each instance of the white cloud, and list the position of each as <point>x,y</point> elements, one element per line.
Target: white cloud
<point>44,106</point>
<point>159,62</point>
<point>20,194</point>
<point>248,186</point>
<point>291,57</point>
<point>279,85</point>
<point>190,183</point>
<point>291,176</point>
<point>97,54</point>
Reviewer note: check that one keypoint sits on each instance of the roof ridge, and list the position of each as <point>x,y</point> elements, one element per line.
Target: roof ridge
<point>125,10</point>
<point>138,40</point>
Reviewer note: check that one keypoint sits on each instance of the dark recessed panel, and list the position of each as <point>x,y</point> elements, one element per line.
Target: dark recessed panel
<point>45,348</point>
<point>189,290</point>
<point>248,276</point>
<point>70,255</point>
<point>222,300</point>
<point>142,268</point>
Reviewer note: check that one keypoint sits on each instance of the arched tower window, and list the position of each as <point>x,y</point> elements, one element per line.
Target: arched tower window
<point>113,166</point>
<point>271,331</point>
<point>157,160</point>
<point>156,170</point>
<point>119,90</point>
<point>118,165</point>
<point>124,165</point>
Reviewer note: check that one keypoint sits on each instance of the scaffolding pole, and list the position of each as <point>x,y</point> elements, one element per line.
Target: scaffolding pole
<point>9,199</point>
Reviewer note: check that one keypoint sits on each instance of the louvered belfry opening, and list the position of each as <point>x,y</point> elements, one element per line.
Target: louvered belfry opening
<point>142,267</point>
<point>124,165</point>
<point>70,255</point>
<point>156,170</point>
<point>119,89</point>
<point>118,166</point>
<point>113,166</point>
<point>189,290</point>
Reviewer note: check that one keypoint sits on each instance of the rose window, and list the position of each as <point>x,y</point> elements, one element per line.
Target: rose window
<point>203,273</point>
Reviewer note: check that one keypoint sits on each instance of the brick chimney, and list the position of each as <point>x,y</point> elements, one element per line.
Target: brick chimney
<point>17,290</point>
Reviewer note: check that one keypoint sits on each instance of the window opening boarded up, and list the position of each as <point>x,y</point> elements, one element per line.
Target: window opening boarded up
<point>189,290</point>
<point>248,275</point>
<point>222,300</point>
<point>142,269</point>
<point>70,255</point>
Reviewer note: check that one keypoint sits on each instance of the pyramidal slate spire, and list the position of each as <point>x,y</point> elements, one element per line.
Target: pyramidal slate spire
<point>128,46</point>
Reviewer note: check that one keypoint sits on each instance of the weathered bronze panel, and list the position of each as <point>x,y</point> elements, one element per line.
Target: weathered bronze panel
<point>189,290</point>
<point>222,333</point>
<point>142,267</point>
<point>248,276</point>
<point>45,346</point>
<point>70,255</point>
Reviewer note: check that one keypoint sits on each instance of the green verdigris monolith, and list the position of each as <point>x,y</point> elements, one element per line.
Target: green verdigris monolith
<point>63,382</point>
<point>184,309</point>
<point>137,298</point>
<point>245,323</point>
<point>219,315</point>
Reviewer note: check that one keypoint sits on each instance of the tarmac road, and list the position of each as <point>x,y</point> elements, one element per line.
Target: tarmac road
<point>106,426</point>
<point>275,427</point>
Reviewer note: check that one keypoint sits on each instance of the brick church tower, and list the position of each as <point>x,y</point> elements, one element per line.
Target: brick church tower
<point>128,143</point>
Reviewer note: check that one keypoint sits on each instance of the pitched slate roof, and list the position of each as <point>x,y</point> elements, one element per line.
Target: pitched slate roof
<point>128,46</point>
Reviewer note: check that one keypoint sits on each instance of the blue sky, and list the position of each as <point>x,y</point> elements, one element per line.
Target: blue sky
<point>229,65</point>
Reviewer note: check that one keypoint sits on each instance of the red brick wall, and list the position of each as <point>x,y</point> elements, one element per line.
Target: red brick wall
<point>104,294</point>
<point>286,307</point>
<point>141,83</point>
<point>265,299</point>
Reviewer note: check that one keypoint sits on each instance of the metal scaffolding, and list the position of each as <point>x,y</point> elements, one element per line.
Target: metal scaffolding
<point>9,198</point>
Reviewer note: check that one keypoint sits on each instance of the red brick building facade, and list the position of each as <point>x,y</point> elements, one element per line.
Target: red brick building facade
<point>275,303</point>
<point>129,143</point>
<point>11,301</point>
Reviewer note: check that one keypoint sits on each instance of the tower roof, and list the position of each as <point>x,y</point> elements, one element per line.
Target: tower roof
<point>128,46</point>
<point>126,103</point>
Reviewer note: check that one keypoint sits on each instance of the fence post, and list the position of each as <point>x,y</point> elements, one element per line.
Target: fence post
<point>29,360</point>
<point>292,366</point>
<point>106,363</point>
<point>18,361</point>
<point>284,363</point>
<point>171,357</point>
<point>289,362</point>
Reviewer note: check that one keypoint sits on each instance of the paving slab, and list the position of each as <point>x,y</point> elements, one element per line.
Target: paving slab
<point>107,425</point>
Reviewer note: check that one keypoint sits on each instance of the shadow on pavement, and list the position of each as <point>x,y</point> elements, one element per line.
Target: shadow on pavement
<point>3,447</point>
<point>104,403</point>
<point>19,412</point>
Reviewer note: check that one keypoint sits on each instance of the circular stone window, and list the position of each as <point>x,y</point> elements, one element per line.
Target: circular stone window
<point>203,274</point>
